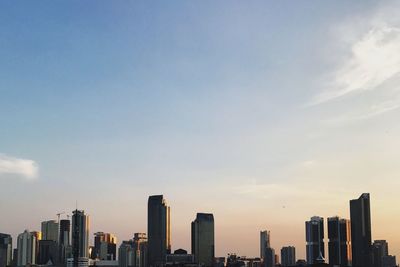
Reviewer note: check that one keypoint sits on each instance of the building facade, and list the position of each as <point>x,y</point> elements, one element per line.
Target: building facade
<point>203,239</point>
<point>264,242</point>
<point>159,230</point>
<point>288,256</point>
<point>360,216</point>
<point>27,248</point>
<point>339,245</point>
<point>6,250</point>
<point>315,247</point>
<point>50,230</point>
<point>80,234</point>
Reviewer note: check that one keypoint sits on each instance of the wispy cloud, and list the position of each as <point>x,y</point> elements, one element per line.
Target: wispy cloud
<point>374,59</point>
<point>16,166</point>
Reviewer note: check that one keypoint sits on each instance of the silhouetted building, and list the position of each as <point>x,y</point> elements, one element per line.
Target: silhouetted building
<point>380,249</point>
<point>360,216</point>
<point>126,254</point>
<point>105,246</point>
<point>269,259</point>
<point>48,252</point>
<point>339,234</point>
<point>50,230</point>
<point>159,231</point>
<point>80,238</point>
<point>203,244</point>
<point>315,248</point>
<point>64,240</point>
<point>264,242</point>
<point>5,250</point>
<point>389,261</point>
<point>27,248</point>
<point>180,258</point>
<point>288,256</point>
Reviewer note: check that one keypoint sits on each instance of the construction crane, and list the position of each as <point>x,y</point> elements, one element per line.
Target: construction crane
<point>58,215</point>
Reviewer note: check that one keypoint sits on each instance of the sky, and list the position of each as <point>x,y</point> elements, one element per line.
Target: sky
<point>264,113</point>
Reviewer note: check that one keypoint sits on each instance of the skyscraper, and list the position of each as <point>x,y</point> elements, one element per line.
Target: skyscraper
<point>5,250</point>
<point>360,216</point>
<point>315,248</point>
<point>288,256</point>
<point>26,245</point>
<point>158,229</point>
<point>126,254</point>
<point>339,234</point>
<point>64,239</point>
<point>264,242</point>
<point>80,234</point>
<point>50,230</point>
<point>105,245</point>
<point>140,248</point>
<point>380,249</point>
<point>203,243</point>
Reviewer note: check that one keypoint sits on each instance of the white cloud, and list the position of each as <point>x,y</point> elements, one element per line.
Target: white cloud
<point>23,167</point>
<point>374,59</point>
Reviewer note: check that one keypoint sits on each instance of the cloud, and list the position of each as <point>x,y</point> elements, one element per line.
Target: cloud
<point>373,60</point>
<point>15,166</point>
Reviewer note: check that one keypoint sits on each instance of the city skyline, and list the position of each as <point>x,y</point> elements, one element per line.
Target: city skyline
<point>264,114</point>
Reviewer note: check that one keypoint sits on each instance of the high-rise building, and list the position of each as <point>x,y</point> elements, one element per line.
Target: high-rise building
<point>380,249</point>
<point>339,246</point>
<point>48,252</point>
<point>159,231</point>
<point>26,244</point>
<point>360,216</point>
<point>288,256</point>
<point>389,261</point>
<point>264,242</point>
<point>203,240</point>
<point>269,259</point>
<point>126,254</point>
<point>105,246</point>
<point>80,235</point>
<point>6,250</point>
<point>64,239</point>
<point>50,230</point>
<point>140,246</point>
<point>315,248</point>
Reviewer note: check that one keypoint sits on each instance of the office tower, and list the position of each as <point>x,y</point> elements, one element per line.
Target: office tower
<point>50,230</point>
<point>339,246</point>
<point>203,240</point>
<point>140,246</point>
<point>288,256</point>
<point>380,249</point>
<point>26,244</point>
<point>5,250</point>
<point>126,254</point>
<point>389,261</point>
<point>315,248</point>
<point>105,246</point>
<point>264,242</point>
<point>158,229</point>
<point>360,217</point>
<point>64,239</point>
<point>269,259</point>
<point>80,235</point>
<point>48,252</point>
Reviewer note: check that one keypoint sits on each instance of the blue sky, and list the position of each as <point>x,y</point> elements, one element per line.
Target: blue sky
<point>237,108</point>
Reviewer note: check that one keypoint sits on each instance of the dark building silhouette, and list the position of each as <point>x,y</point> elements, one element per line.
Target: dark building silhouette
<point>315,247</point>
<point>64,239</point>
<point>48,252</point>
<point>105,246</point>
<point>203,244</point>
<point>288,256</point>
<point>339,246</point>
<point>360,216</point>
<point>158,230</point>
<point>380,249</point>
<point>5,250</point>
<point>80,236</point>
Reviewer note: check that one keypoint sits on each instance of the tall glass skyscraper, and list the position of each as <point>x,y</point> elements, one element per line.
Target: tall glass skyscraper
<point>339,234</point>
<point>158,230</point>
<point>315,240</point>
<point>203,243</point>
<point>80,234</point>
<point>5,250</point>
<point>360,216</point>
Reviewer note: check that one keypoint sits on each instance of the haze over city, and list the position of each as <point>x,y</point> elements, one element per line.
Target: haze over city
<point>262,113</point>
